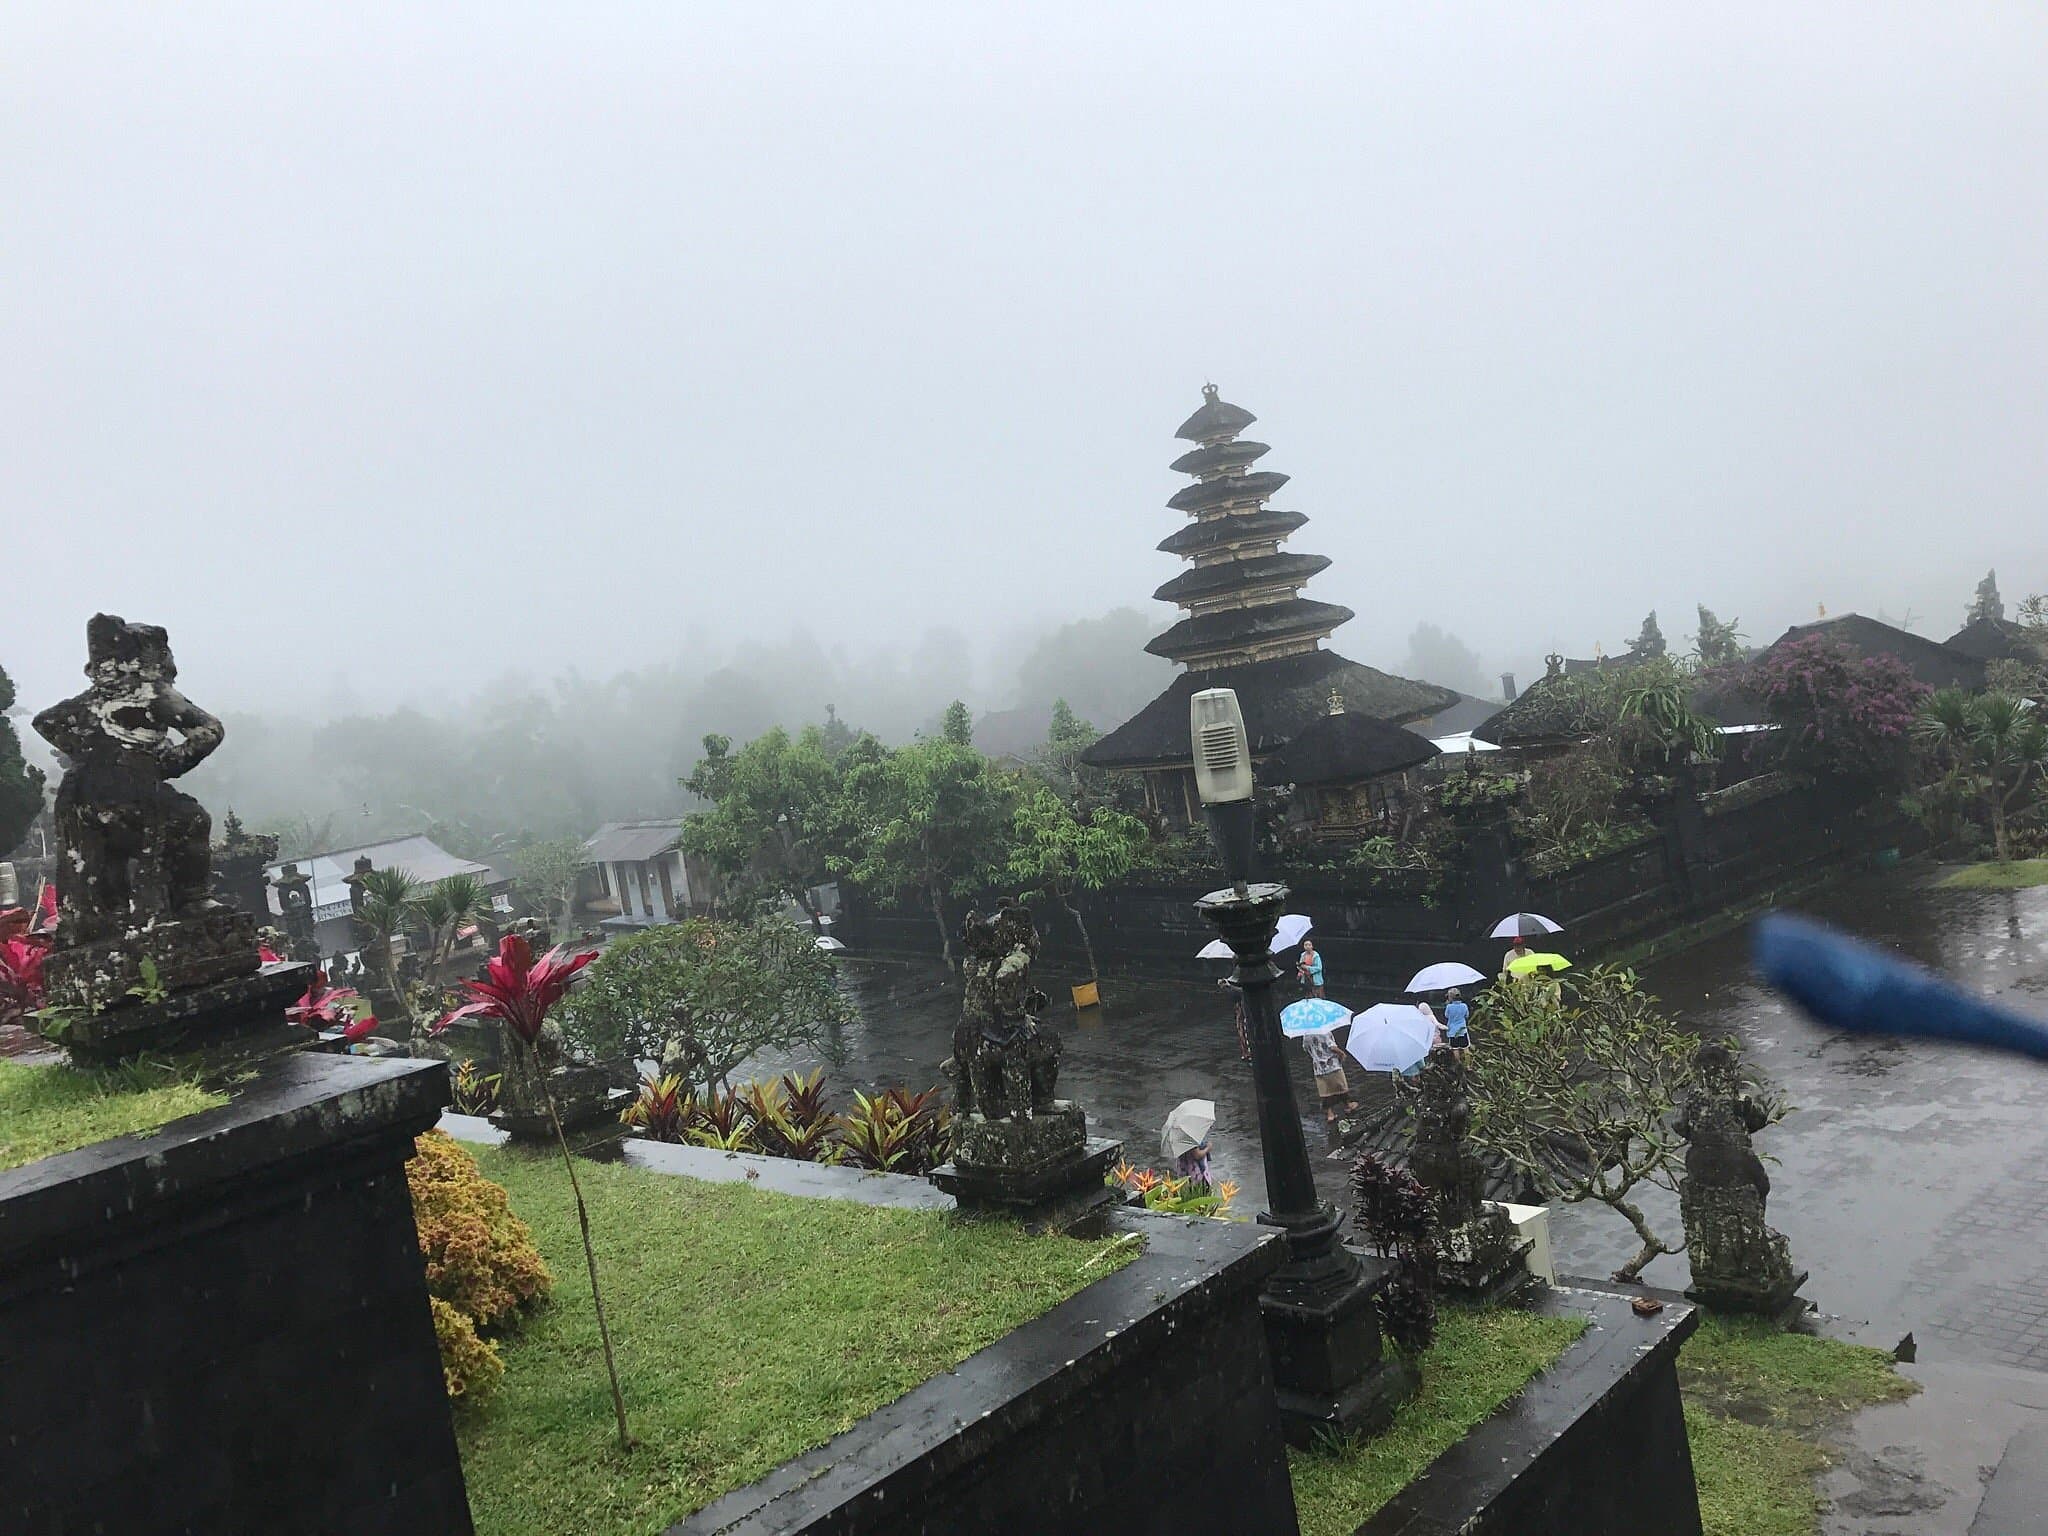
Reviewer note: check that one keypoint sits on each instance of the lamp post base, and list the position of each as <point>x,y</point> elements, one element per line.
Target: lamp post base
<point>1331,1373</point>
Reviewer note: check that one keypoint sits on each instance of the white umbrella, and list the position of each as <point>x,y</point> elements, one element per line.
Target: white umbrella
<point>1525,924</point>
<point>1445,973</point>
<point>1292,930</point>
<point>827,942</point>
<point>1390,1037</point>
<point>1187,1127</point>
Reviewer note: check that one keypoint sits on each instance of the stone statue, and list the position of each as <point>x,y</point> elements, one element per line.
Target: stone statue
<point>1005,1062</point>
<point>295,911</point>
<point>1480,1250</point>
<point>1738,1262</point>
<point>1014,1144</point>
<point>132,848</point>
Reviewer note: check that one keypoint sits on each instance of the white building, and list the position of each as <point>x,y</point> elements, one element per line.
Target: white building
<point>643,876</point>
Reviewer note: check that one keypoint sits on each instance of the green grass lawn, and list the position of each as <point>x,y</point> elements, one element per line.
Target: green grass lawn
<point>749,1327</point>
<point>2014,876</point>
<point>45,1110</point>
<point>1757,1403</point>
<point>1480,1359</point>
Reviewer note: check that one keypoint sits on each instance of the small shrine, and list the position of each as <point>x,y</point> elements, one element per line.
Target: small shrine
<point>1350,773</point>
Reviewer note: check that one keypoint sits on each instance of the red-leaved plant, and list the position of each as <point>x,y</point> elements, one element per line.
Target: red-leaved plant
<point>518,991</point>
<point>22,953</point>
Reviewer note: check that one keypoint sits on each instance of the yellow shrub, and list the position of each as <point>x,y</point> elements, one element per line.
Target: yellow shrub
<point>469,1364</point>
<point>482,1266</point>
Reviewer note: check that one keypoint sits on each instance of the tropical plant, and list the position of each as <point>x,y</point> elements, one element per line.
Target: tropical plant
<point>446,907</point>
<point>930,818</point>
<point>389,906</point>
<point>1843,716</point>
<point>1173,1195</point>
<point>1657,712</point>
<point>1649,640</point>
<point>1576,1089</point>
<point>1059,853</point>
<point>22,953</point>
<point>1718,643</point>
<point>701,997</point>
<point>473,1092</point>
<point>481,1264</point>
<point>720,1120</point>
<point>896,1131</point>
<point>1397,1214</point>
<point>518,991</point>
<point>324,1007</point>
<point>1993,745</point>
<point>788,1116</point>
<point>773,812</point>
<point>21,787</point>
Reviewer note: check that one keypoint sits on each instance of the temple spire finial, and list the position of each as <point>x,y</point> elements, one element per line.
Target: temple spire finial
<point>1336,702</point>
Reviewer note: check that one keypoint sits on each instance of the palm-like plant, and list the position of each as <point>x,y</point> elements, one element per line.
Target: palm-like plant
<point>1663,710</point>
<point>445,907</point>
<point>1996,740</point>
<point>390,904</point>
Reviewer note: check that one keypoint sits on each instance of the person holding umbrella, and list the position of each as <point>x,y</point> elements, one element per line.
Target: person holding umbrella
<point>1184,1139</point>
<point>1332,1086</point>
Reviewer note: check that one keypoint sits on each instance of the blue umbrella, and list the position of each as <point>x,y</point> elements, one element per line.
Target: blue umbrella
<point>1312,1016</point>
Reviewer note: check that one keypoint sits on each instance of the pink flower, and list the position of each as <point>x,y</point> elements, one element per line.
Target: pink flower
<point>520,990</point>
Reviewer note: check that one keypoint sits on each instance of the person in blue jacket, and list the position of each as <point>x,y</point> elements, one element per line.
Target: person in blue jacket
<point>1457,1017</point>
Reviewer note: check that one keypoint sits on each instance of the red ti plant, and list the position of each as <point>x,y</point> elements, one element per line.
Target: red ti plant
<point>518,992</point>
<point>22,953</point>
<point>325,1007</point>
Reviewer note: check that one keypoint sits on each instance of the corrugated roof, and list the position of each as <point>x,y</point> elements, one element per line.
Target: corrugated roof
<point>418,855</point>
<point>631,842</point>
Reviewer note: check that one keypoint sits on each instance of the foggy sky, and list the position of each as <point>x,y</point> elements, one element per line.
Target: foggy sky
<point>334,337</point>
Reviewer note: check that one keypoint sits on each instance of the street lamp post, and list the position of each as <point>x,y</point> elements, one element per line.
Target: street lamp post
<point>1328,1367</point>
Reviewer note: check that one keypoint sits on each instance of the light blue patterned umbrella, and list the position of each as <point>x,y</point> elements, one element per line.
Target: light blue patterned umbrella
<point>1312,1016</point>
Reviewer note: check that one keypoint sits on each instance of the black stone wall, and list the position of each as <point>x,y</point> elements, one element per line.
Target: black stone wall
<point>223,1328</point>
<point>1143,1404</point>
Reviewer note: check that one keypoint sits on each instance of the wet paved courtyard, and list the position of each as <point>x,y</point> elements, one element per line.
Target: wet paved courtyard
<point>1910,1178</point>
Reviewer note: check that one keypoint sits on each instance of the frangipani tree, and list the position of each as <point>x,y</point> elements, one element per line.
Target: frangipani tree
<point>1059,854</point>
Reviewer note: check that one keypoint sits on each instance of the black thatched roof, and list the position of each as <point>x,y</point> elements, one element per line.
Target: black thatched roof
<point>1551,709</point>
<point>1290,618</point>
<point>1237,527</point>
<point>1204,494</point>
<point>1265,570</point>
<point>1217,418</point>
<point>1346,749</point>
<point>1990,640</point>
<point>1203,461</point>
<point>1929,660</point>
<point>1280,698</point>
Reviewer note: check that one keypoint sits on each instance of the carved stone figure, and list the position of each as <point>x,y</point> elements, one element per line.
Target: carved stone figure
<point>1481,1250</point>
<point>132,848</point>
<point>295,911</point>
<point>1005,1060</point>
<point>1738,1262</point>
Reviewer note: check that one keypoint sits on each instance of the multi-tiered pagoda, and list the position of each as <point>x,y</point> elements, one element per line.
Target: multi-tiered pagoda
<point>1248,627</point>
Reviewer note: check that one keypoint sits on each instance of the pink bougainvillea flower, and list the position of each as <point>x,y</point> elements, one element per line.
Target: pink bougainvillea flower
<point>519,989</point>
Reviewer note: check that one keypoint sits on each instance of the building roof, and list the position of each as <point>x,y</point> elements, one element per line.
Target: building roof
<point>1199,636</point>
<point>1265,524</point>
<point>1280,698</point>
<point>1214,456</point>
<point>1458,717</point>
<point>1990,640</point>
<point>1227,490</point>
<point>631,842</point>
<point>1930,661</point>
<point>1217,418</point>
<point>417,854</point>
<point>1553,708</point>
<point>1199,581</point>
<point>1347,749</point>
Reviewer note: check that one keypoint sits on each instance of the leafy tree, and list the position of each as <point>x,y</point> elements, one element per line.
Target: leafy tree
<point>835,735</point>
<point>1993,743</point>
<point>1059,854</point>
<point>1058,764</point>
<point>1987,604</point>
<point>930,818</point>
<point>21,787</point>
<point>1437,656</point>
<point>959,726</point>
<point>1656,718</point>
<point>774,804</point>
<point>444,907</point>
<point>1844,716</point>
<point>1649,640</point>
<point>702,997</point>
<point>546,874</point>
<point>1576,1089</point>
<point>1717,643</point>
<point>1574,793</point>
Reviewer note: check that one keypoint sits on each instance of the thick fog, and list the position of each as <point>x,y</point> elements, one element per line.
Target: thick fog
<point>380,351</point>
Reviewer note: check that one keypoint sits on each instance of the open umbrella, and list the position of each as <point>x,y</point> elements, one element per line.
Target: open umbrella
<point>1522,965</point>
<point>1445,973</point>
<point>1292,930</point>
<point>1187,1127</point>
<point>1391,1037</point>
<point>1524,924</point>
<point>827,942</point>
<point>1312,1016</point>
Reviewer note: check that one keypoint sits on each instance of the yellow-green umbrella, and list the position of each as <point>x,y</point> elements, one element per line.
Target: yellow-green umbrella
<point>1522,965</point>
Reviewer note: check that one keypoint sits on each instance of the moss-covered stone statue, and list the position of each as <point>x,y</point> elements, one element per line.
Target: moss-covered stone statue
<point>1739,1264</point>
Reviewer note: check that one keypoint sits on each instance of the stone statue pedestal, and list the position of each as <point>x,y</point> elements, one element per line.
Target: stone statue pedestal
<point>1038,1165</point>
<point>583,1098</point>
<point>1739,1264</point>
<point>1485,1260</point>
<point>186,952</point>
<point>241,1019</point>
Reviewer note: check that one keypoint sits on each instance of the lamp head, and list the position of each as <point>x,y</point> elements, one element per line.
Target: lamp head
<point>1223,758</point>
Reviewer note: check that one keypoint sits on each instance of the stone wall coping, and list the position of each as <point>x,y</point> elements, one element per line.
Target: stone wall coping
<point>304,1105</point>
<point>786,1175</point>
<point>904,1450</point>
<point>1462,1485</point>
